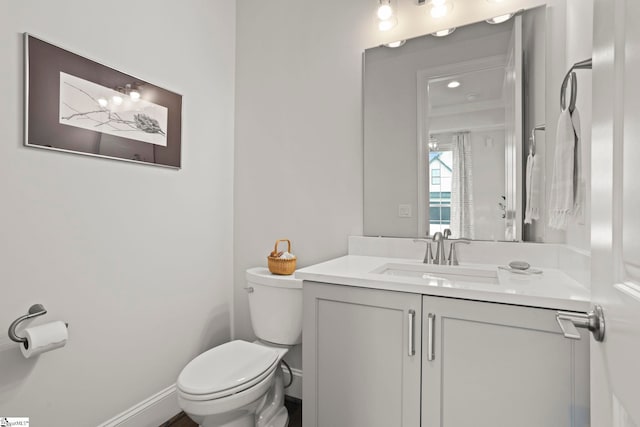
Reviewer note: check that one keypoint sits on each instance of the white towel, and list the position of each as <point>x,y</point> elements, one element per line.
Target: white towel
<point>532,210</point>
<point>579,185</point>
<point>561,198</point>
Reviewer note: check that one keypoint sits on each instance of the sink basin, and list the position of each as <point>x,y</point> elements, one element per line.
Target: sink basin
<point>448,273</point>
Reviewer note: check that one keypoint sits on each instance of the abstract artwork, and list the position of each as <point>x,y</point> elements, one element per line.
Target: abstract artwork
<point>76,105</point>
<point>90,106</point>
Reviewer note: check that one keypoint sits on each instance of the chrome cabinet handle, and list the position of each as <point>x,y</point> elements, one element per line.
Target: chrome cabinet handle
<point>412,347</point>
<point>431,329</point>
<point>593,321</point>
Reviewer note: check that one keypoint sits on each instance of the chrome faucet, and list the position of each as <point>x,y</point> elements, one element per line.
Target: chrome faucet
<point>439,239</point>
<point>453,256</point>
<point>428,258</point>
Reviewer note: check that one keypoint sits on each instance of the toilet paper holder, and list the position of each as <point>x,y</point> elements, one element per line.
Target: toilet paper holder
<point>34,311</point>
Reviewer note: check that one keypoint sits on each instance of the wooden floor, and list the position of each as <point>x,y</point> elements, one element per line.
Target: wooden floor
<point>294,406</point>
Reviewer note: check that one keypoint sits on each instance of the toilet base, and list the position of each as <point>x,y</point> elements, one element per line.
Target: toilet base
<point>280,419</point>
<point>272,412</point>
<point>267,411</point>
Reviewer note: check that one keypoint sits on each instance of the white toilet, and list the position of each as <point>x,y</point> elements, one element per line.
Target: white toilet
<point>240,384</point>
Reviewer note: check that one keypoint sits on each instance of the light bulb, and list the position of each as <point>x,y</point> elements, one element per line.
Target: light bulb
<point>438,11</point>
<point>387,24</point>
<point>500,19</point>
<point>117,99</point>
<point>103,102</point>
<point>453,84</point>
<point>134,95</point>
<point>385,12</point>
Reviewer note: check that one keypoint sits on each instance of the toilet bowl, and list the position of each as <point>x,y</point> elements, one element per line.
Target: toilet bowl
<point>239,383</point>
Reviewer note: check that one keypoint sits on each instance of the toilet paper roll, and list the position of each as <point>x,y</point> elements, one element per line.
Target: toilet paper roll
<point>43,338</point>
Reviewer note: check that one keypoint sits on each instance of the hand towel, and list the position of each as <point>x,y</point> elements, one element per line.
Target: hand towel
<point>579,185</point>
<point>532,210</point>
<point>561,197</point>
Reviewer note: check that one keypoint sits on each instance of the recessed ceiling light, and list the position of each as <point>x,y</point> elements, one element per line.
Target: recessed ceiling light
<point>500,19</point>
<point>453,84</point>
<point>395,44</point>
<point>443,33</point>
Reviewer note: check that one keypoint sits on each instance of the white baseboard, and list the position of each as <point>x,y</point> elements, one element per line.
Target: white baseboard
<point>163,405</point>
<point>296,387</point>
<point>151,412</point>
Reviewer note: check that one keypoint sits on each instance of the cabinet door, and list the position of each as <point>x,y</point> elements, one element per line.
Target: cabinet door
<point>359,370</point>
<point>498,365</point>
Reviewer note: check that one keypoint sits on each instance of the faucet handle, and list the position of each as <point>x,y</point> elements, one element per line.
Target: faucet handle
<point>446,233</point>
<point>453,256</point>
<point>428,256</point>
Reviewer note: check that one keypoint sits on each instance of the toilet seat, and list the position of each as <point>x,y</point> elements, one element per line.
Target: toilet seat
<point>226,370</point>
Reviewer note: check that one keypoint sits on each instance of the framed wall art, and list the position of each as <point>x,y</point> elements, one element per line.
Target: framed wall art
<point>76,105</point>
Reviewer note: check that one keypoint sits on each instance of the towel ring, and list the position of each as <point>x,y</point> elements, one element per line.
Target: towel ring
<point>532,138</point>
<point>569,78</point>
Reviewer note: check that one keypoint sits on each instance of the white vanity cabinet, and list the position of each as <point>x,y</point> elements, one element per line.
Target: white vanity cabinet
<point>361,357</point>
<point>499,365</point>
<point>380,358</point>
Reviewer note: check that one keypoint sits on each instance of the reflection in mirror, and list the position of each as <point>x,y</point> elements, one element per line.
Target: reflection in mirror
<point>443,132</point>
<point>466,153</point>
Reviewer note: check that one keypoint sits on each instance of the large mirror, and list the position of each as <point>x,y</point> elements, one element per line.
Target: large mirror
<point>445,120</point>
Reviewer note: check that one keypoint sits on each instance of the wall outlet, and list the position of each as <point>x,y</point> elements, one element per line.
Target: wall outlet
<point>404,211</point>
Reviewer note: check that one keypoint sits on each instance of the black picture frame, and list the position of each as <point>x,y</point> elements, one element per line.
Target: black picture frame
<point>143,129</point>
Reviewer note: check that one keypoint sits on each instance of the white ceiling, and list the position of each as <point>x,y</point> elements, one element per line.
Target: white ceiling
<point>486,85</point>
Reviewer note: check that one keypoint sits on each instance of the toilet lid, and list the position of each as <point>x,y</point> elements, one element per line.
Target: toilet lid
<point>225,367</point>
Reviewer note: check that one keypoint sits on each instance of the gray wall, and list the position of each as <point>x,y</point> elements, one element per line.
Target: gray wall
<point>136,258</point>
<point>298,158</point>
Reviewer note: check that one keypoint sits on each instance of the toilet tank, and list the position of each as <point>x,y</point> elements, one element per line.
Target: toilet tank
<point>275,305</point>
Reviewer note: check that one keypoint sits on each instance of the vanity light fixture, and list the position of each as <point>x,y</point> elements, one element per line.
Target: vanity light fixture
<point>500,19</point>
<point>440,8</point>
<point>385,11</point>
<point>395,44</point>
<point>453,84</point>
<point>386,15</point>
<point>443,33</point>
<point>388,24</point>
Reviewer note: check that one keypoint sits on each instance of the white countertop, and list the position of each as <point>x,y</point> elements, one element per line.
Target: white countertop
<point>551,289</point>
